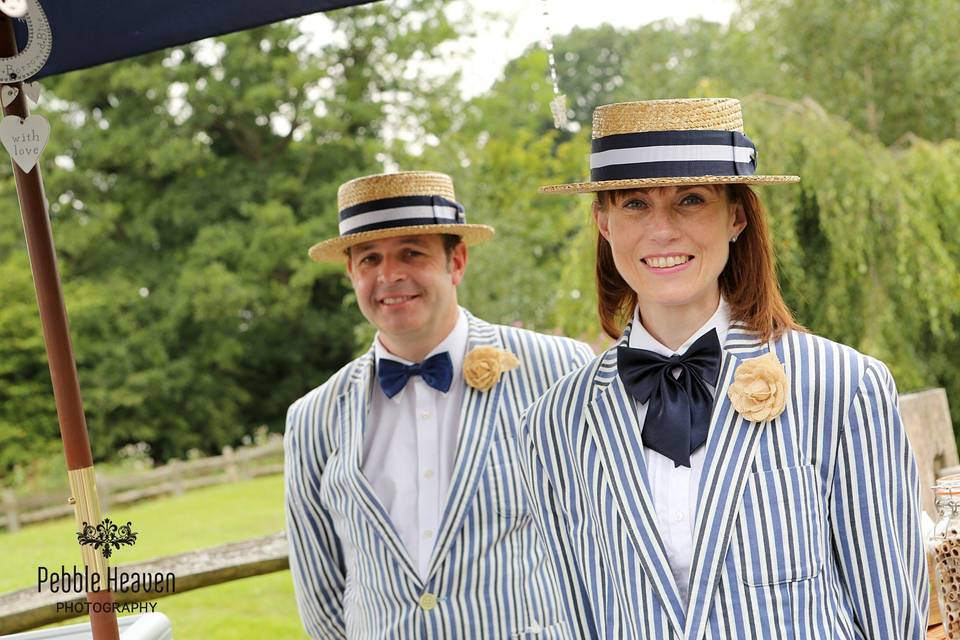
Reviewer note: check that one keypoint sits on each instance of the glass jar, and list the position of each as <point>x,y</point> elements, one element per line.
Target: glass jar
<point>945,543</point>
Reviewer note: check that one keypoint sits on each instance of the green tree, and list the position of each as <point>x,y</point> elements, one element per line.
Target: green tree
<point>889,68</point>
<point>185,189</point>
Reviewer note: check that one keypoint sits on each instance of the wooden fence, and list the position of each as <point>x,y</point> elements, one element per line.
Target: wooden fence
<point>171,479</point>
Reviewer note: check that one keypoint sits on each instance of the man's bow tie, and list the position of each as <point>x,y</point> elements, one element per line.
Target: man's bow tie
<point>436,371</point>
<point>678,409</point>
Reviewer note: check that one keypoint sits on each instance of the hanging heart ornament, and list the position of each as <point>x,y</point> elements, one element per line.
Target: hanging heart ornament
<point>8,94</point>
<point>32,90</point>
<point>24,140</point>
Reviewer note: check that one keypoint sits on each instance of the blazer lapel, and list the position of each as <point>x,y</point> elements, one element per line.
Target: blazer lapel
<point>477,426</point>
<point>612,418</point>
<point>353,410</point>
<point>731,445</point>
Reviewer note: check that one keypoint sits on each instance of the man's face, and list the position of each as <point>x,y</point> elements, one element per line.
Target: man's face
<point>407,287</point>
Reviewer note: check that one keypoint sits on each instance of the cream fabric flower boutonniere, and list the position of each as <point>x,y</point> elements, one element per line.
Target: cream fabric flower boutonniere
<point>759,389</point>
<point>482,366</point>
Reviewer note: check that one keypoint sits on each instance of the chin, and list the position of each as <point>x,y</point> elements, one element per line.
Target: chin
<point>406,321</point>
<point>671,297</point>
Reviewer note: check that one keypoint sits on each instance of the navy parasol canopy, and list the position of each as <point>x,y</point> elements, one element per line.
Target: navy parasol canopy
<point>85,33</point>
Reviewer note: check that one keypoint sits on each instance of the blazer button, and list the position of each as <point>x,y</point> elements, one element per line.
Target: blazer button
<point>428,601</point>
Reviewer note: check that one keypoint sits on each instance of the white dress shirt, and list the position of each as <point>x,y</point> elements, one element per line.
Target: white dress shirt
<point>410,444</point>
<point>675,489</point>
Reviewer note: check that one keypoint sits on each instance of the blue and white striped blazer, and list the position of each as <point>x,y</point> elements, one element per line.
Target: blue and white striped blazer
<point>806,527</point>
<point>489,574</point>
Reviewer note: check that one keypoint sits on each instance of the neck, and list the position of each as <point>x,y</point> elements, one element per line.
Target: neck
<point>672,326</point>
<point>414,347</point>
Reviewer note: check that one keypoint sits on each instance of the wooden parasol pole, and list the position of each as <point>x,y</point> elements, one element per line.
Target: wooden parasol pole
<point>63,367</point>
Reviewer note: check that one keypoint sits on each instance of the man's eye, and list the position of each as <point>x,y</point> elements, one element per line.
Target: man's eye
<point>368,259</point>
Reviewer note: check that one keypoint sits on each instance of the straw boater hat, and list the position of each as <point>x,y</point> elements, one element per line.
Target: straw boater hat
<point>388,205</point>
<point>657,143</point>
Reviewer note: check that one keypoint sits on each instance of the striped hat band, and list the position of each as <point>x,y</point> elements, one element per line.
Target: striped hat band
<point>400,211</point>
<point>672,154</point>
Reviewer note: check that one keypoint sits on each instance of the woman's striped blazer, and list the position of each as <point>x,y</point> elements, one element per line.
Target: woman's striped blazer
<point>489,576</point>
<point>807,526</point>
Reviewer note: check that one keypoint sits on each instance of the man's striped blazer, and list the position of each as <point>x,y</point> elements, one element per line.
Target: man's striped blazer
<point>807,526</point>
<point>489,575</point>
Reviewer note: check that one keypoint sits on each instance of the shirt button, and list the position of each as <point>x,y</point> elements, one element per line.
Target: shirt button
<point>534,627</point>
<point>428,473</point>
<point>428,601</point>
<point>428,533</point>
<point>425,415</point>
<point>678,516</point>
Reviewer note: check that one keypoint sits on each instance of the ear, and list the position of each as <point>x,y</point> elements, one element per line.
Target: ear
<point>602,218</point>
<point>739,218</point>
<point>458,263</point>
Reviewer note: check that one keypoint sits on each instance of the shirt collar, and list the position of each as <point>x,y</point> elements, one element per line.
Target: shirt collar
<point>455,343</point>
<point>640,338</point>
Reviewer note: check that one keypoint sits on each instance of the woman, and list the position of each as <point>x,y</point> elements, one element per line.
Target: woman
<point>720,472</point>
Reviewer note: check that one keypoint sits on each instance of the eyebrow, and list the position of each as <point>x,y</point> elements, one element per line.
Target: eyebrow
<point>419,242</point>
<point>368,246</point>
<point>680,187</point>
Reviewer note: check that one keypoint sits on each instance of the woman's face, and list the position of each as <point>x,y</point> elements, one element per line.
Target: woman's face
<point>670,244</point>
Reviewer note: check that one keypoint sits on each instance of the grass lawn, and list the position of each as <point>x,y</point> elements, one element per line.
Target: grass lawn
<point>252,608</point>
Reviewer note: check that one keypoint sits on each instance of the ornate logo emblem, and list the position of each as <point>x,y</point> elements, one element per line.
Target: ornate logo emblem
<point>107,536</point>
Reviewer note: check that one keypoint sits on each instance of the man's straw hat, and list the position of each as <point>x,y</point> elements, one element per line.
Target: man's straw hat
<point>657,143</point>
<point>388,205</point>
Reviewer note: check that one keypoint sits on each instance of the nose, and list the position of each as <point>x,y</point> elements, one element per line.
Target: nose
<point>662,225</point>
<point>391,270</point>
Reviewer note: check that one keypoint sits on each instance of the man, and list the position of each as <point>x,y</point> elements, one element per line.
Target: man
<point>406,512</point>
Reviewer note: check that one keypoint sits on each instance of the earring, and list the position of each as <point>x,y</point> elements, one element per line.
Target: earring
<point>733,239</point>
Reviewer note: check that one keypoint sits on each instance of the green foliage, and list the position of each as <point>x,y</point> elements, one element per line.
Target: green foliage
<point>185,189</point>
<point>25,421</point>
<point>888,68</point>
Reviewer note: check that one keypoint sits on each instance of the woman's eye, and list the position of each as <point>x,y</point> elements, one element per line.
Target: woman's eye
<point>633,203</point>
<point>692,198</point>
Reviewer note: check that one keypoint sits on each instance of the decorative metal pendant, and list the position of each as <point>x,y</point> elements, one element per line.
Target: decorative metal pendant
<point>558,106</point>
<point>39,42</point>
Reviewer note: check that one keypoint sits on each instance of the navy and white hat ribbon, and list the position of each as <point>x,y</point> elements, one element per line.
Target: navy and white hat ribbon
<point>672,154</point>
<point>400,211</point>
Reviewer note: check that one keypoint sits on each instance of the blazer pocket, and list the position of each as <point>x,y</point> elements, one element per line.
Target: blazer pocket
<point>779,535</point>
<point>503,480</point>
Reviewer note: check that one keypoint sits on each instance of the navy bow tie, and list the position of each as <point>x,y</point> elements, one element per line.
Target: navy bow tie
<point>436,371</point>
<point>678,413</point>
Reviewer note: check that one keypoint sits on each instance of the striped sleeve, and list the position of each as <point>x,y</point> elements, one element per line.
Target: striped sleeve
<point>548,515</point>
<point>875,515</point>
<point>584,354</point>
<point>316,557</point>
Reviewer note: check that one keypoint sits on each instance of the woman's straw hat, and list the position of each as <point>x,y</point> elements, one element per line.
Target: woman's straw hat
<point>388,205</point>
<point>657,143</point>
